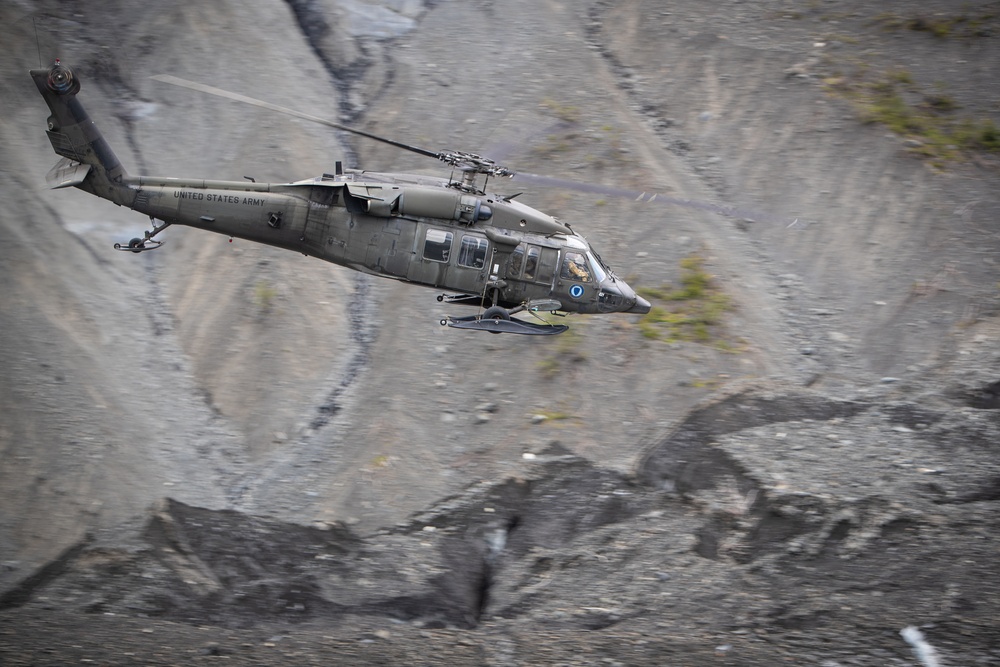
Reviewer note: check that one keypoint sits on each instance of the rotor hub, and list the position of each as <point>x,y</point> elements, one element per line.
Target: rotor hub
<point>61,79</point>
<point>472,163</point>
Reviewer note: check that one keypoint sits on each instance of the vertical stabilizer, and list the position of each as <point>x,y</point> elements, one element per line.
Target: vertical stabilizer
<point>76,138</point>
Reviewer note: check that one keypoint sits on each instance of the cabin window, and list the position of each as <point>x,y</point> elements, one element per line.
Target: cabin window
<point>575,267</point>
<point>531,263</point>
<point>437,245</point>
<point>515,262</point>
<point>473,252</point>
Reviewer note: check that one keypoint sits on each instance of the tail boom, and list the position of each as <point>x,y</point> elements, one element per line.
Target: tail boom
<point>88,161</point>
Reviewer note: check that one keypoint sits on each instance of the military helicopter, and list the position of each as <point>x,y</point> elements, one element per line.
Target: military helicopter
<point>480,248</point>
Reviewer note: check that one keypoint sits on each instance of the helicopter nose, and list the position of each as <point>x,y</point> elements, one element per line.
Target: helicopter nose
<point>641,306</point>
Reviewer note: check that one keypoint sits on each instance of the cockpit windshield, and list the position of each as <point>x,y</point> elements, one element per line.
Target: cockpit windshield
<point>595,264</point>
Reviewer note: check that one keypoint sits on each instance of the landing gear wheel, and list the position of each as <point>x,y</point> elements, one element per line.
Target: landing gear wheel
<point>496,313</point>
<point>136,245</point>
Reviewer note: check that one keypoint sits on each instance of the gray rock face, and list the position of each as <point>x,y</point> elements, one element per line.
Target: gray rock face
<point>349,483</point>
<point>721,544</point>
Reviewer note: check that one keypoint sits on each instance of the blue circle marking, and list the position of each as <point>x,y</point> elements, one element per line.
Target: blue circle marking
<point>576,291</point>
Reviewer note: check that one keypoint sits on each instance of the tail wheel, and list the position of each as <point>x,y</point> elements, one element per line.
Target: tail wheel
<point>136,245</point>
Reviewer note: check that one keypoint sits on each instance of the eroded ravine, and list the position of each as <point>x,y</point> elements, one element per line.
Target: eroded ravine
<point>321,440</point>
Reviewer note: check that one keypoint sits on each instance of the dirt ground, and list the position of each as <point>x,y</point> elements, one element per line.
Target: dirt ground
<point>224,452</point>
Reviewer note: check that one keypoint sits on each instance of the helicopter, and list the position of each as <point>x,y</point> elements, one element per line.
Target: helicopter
<point>452,235</point>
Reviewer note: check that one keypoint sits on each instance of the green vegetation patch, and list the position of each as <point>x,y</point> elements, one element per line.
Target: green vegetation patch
<point>942,26</point>
<point>264,295</point>
<point>931,121</point>
<point>692,312</point>
<point>565,112</point>
<point>565,351</point>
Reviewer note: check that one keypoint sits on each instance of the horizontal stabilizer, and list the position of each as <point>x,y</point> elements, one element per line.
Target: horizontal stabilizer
<point>66,173</point>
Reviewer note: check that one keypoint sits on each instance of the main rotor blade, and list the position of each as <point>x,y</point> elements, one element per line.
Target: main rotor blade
<point>219,92</point>
<point>648,197</point>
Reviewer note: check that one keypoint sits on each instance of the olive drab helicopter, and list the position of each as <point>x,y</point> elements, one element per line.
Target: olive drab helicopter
<point>449,234</point>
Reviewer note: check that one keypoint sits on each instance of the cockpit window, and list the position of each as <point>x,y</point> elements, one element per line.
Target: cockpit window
<point>547,266</point>
<point>575,267</point>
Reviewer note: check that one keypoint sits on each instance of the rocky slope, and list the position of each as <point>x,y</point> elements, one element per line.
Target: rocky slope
<point>681,502</point>
<point>724,547</point>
